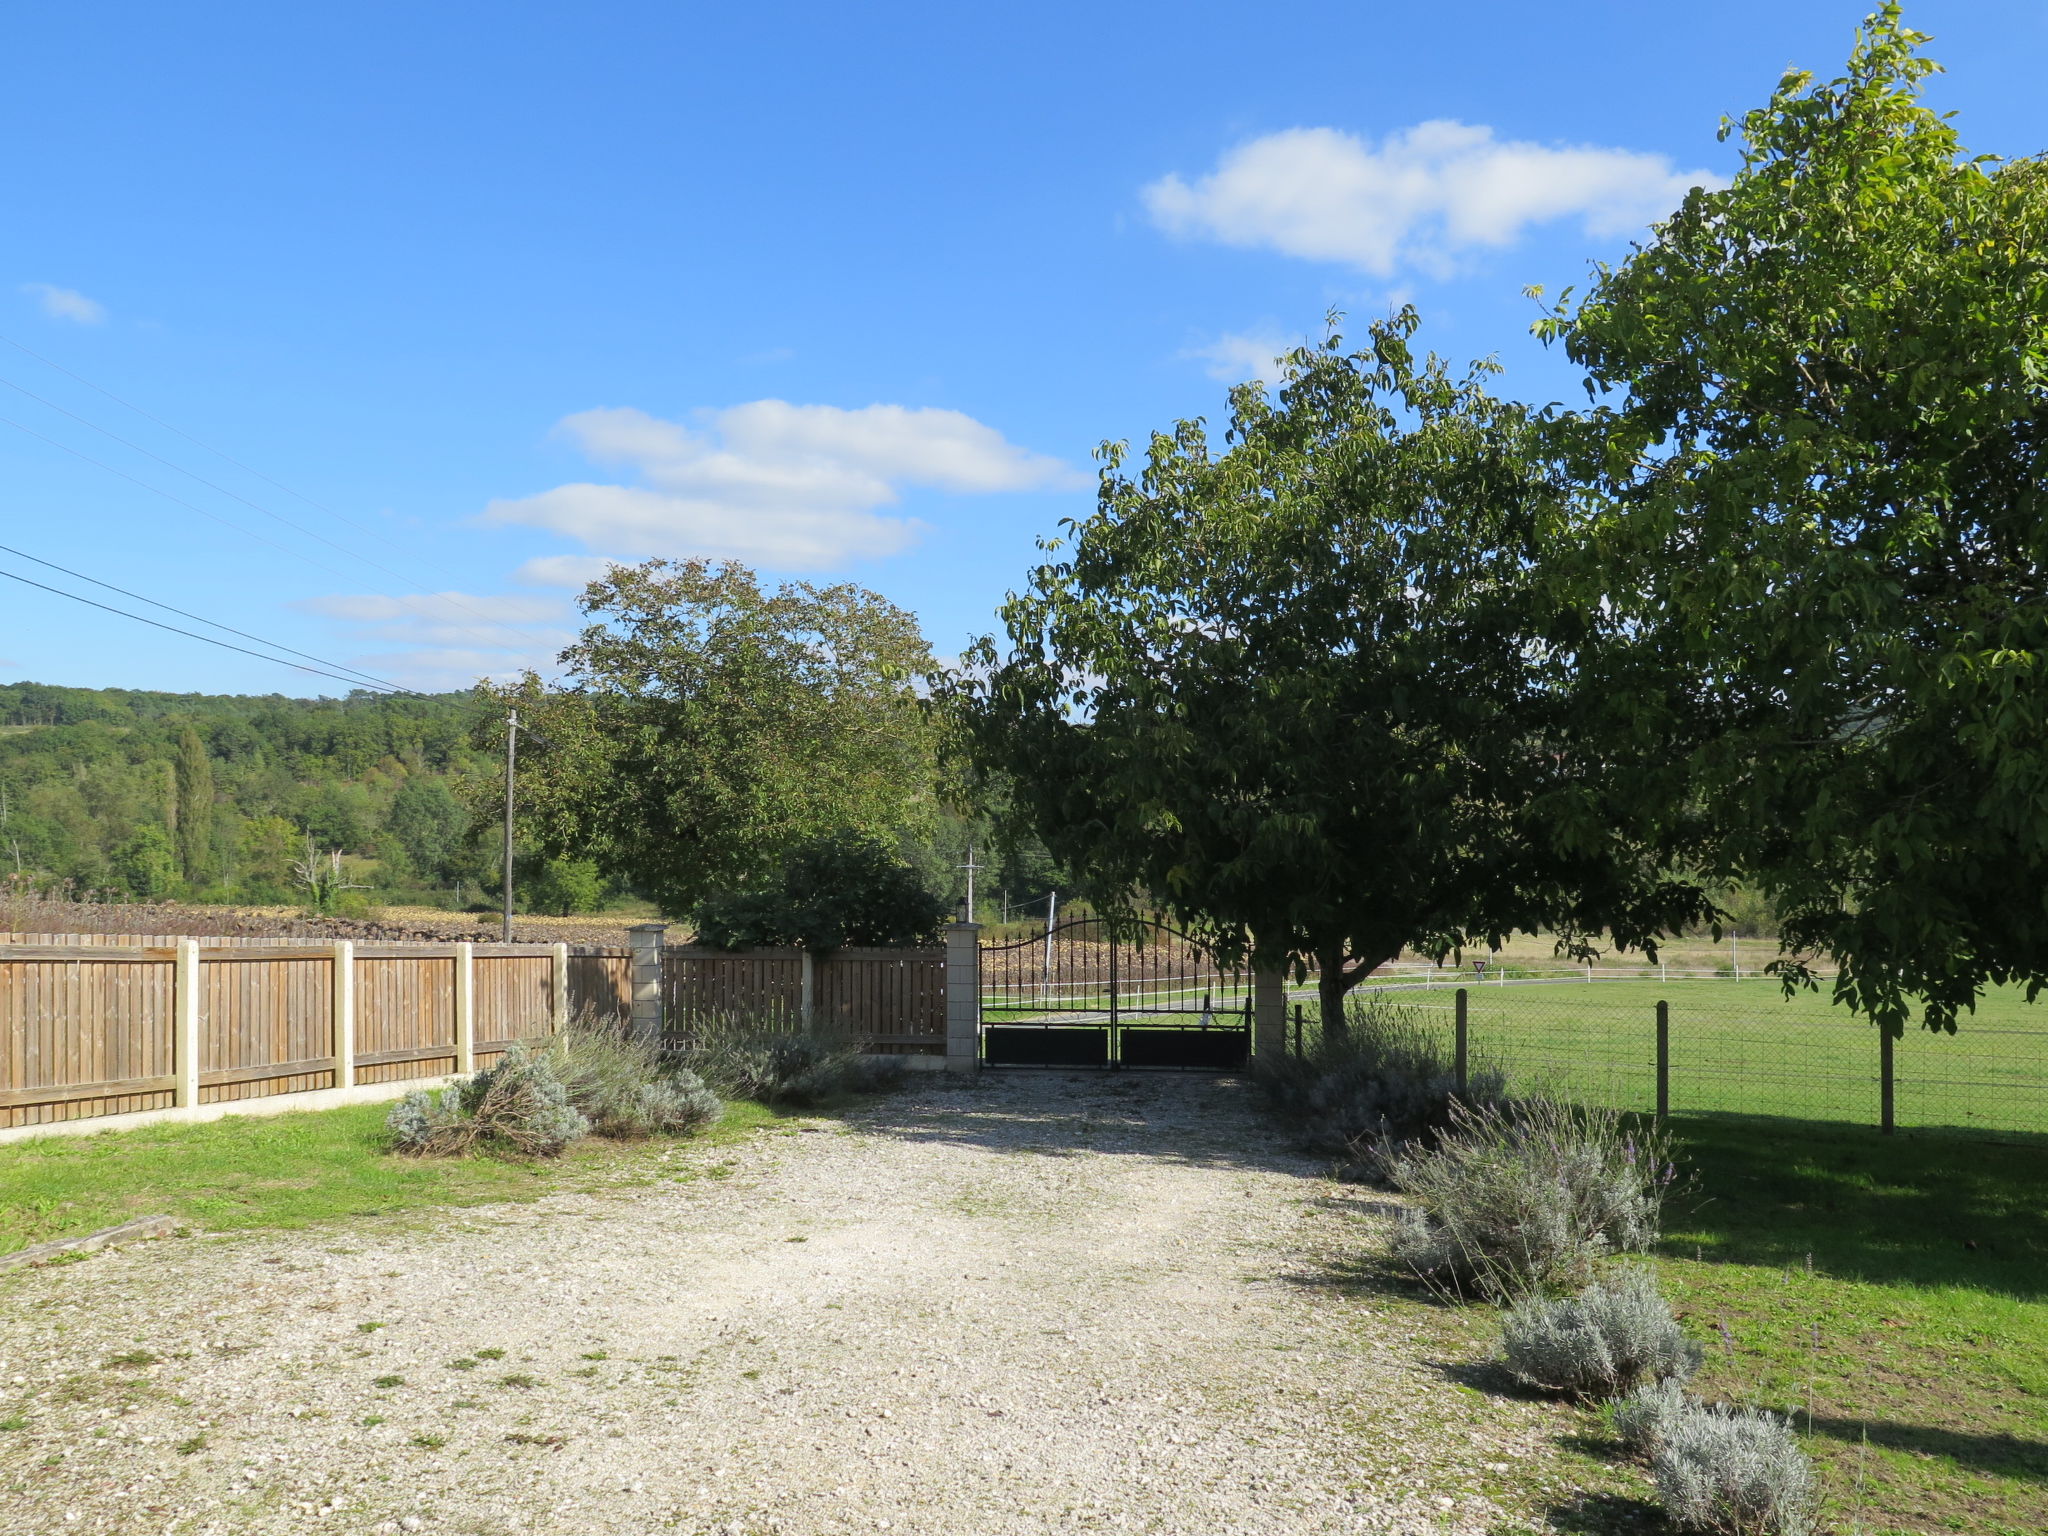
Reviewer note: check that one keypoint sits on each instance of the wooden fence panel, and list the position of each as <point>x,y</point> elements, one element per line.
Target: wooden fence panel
<point>405,1014</point>
<point>84,1022</point>
<point>893,999</point>
<point>514,1000</point>
<point>601,985</point>
<point>717,984</point>
<point>266,1023</point>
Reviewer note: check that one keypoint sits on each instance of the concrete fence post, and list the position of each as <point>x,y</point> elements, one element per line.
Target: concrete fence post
<point>560,979</point>
<point>344,1013</point>
<point>963,997</point>
<point>465,1007</point>
<point>1269,1014</point>
<point>807,988</point>
<point>646,939</point>
<point>185,1022</point>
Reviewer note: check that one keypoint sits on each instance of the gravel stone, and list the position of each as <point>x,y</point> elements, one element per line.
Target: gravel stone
<point>1045,1302</point>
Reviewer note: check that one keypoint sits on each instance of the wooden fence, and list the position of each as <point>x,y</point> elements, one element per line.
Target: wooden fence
<point>93,1026</point>
<point>892,1000</point>
<point>95,1029</point>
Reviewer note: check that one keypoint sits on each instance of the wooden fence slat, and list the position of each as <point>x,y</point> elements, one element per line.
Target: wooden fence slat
<point>21,1098</point>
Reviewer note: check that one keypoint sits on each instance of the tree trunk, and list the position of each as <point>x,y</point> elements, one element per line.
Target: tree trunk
<point>1331,986</point>
<point>1334,981</point>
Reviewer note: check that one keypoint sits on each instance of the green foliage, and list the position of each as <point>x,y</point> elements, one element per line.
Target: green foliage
<point>706,726</point>
<point>232,785</point>
<point>147,863</point>
<point>195,808</point>
<point>558,887</point>
<point>840,889</point>
<point>427,823</point>
<point>1819,559</point>
<point>1305,692</point>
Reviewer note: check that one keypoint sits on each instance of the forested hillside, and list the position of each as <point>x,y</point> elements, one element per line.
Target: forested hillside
<point>153,795</point>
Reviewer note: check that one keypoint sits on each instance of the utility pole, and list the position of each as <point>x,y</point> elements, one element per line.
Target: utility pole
<point>511,760</point>
<point>970,866</point>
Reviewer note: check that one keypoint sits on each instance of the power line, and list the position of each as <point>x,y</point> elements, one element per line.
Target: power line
<point>389,688</point>
<point>245,468</point>
<point>247,533</point>
<point>200,618</point>
<point>251,505</point>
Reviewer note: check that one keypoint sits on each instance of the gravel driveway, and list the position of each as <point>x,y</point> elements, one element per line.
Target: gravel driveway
<point>1043,1303</point>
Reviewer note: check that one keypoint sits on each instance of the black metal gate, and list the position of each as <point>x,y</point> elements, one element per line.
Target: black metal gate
<point>1082,994</point>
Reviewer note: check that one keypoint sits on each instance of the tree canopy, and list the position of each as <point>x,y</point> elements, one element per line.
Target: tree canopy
<point>704,726</point>
<point>1818,436</point>
<point>839,889</point>
<point>1302,692</point>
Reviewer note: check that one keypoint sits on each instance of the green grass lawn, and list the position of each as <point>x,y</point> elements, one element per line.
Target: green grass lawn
<point>1891,1294</point>
<point>1742,1047</point>
<point>288,1171</point>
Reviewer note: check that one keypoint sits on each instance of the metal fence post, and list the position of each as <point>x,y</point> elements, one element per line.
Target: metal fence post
<point>1297,1029</point>
<point>1663,1059</point>
<point>646,940</point>
<point>1464,1042</point>
<point>963,997</point>
<point>1886,1121</point>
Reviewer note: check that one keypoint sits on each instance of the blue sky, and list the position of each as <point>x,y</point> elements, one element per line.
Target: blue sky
<point>478,296</point>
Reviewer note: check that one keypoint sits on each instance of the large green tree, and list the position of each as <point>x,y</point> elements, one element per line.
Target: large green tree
<point>1822,414</point>
<point>703,726</point>
<point>1304,690</point>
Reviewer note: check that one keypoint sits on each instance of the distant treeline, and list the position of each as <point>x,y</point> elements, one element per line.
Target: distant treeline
<point>212,797</point>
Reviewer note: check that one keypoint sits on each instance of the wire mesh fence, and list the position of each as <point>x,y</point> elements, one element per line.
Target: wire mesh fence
<point>1739,1047</point>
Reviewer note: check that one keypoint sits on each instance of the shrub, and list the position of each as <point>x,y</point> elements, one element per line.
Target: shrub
<point>1387,1079</point>
<point>787,1067</point>
<point>1643,1419</point>
<point>674,1106</point>
<point>1518,1197</point>
<point>1737,1471</point>
<point>623,1085</point>
<point>1612,1336</point>
<point>518,1105</point>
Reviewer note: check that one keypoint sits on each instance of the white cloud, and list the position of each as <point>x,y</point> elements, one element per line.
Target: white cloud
<point>453,638</point>
<point>444,670</point>
<point>66,303</point>
<point>1240,355</point>
<point>774,484</point>
<point>573,571</point>
<point>1418,198</point>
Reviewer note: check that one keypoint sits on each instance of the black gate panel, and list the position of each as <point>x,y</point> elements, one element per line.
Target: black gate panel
<point>1036,1045</point>
<point>1221,1050</point>
<point>1088,993</point>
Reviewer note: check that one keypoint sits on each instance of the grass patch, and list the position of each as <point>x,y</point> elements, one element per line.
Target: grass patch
<point>1743,1047</point>
<point>289,1171</point>
<point>1892,1295</point>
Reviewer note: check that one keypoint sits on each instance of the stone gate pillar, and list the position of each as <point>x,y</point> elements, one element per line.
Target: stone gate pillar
<point>963,997</point>
<point>646,939</point>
